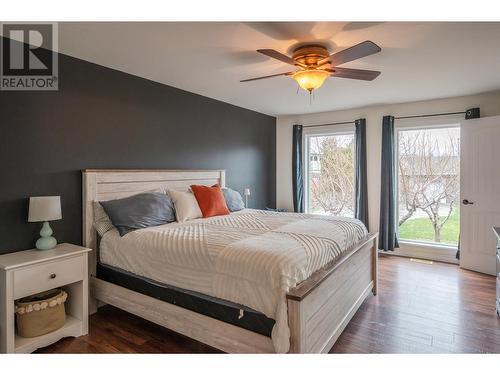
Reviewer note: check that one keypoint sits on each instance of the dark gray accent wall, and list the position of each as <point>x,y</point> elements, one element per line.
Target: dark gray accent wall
<point>103,118</point>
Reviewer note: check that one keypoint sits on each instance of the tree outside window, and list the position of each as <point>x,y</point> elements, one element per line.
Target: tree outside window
<point>331,174</point>
<point>429,184</point>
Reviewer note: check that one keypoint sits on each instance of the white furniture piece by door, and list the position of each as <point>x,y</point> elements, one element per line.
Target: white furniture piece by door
<point>25,273</point>
<point>496,231</point>
<point>479,192</point>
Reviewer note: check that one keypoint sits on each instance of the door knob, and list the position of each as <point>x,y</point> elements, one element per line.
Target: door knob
<point>466,201</point>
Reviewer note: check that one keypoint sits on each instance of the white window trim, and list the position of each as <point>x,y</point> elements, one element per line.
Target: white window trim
<point>422,249</point>
<point>428,122</point>
<point>315,131</point>
<point>330,129</point>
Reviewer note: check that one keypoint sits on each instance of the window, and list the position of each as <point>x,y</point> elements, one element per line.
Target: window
<point>429,184</point>
<point>330,173</point>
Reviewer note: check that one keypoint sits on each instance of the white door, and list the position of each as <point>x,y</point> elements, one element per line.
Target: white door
<point>479,192</point>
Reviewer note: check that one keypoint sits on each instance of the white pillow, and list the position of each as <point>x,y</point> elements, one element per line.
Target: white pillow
<point>186,206</point>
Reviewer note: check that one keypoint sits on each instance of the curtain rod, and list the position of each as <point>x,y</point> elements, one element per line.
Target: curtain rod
<point>333,123</point>
<point>431,115</point>
<point>396,118</point>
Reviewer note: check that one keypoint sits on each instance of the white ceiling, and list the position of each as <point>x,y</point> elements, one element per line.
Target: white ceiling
<point>418,60</point>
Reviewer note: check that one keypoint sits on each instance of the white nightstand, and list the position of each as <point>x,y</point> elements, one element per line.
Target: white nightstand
<point>32,271</point>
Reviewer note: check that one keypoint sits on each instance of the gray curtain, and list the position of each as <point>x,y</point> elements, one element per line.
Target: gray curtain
<point>297,170</point>
<point>388,205</point>
<point>469,114</point>
<point>361,193</point>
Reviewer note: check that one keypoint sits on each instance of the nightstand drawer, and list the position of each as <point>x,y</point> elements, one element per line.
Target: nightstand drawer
<point>47,276</point>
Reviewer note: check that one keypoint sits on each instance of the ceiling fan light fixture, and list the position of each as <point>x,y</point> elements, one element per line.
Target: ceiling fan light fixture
<point>311,79</point>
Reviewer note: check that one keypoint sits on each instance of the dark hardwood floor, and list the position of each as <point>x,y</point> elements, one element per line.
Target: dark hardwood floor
<point>420,308</point>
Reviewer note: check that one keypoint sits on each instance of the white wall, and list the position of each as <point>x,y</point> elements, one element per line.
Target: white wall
<point>489,104</point>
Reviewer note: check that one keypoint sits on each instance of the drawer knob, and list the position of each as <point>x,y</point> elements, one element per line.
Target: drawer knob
<point>53,276</point>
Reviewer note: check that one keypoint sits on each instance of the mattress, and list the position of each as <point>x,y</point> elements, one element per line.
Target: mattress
<point>250,258</point>
<point>226,311</point>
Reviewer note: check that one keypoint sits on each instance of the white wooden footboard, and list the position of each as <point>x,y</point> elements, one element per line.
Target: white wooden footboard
<point>320,308</point>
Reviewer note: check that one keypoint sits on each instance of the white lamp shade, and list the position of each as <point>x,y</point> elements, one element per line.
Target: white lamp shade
<point>247,192</point>
<point>45,208</point>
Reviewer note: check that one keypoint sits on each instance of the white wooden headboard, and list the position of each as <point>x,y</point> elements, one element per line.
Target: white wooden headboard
<point>106,184</point>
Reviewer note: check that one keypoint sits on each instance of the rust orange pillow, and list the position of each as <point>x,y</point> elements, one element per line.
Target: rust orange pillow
<point>210,199</point>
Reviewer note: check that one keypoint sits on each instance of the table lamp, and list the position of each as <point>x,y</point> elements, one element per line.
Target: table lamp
<point>45,209</point>
<point>246,193</point>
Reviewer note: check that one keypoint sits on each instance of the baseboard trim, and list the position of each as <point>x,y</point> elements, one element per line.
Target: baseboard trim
<point>435,253</point>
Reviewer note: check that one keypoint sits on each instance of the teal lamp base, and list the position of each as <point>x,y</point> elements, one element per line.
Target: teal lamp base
<point>46,241</point>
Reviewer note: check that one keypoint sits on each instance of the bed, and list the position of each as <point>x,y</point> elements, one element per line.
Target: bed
<point>258,282</point>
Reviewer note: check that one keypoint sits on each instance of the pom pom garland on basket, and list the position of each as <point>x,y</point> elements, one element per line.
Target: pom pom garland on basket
<point>41,313</point>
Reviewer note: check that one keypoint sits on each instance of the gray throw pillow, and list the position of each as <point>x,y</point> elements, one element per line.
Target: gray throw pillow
<point>140,211</point>
<point>234,201</point>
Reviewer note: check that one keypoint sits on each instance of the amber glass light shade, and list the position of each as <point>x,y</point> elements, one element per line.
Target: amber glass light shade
<point>311,79</point>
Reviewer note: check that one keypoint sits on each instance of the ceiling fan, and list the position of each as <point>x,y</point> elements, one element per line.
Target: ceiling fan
<point>315,64</point>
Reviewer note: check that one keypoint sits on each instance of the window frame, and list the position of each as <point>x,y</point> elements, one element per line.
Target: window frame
<point>312,131</point>
<point>421,123</point>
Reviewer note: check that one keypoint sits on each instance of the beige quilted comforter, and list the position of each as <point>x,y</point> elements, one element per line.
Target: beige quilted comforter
<point>251,257</point>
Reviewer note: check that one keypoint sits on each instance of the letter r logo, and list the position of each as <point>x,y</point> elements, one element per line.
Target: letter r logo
<point>28,49</point>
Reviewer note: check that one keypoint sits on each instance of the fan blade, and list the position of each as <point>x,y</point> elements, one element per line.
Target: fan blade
<point>358,51</point>
<point>364,75</point>
<point>278,56</point>
<point>270,76</point>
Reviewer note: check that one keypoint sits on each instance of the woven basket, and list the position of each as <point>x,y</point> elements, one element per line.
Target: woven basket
<point>41,313</point>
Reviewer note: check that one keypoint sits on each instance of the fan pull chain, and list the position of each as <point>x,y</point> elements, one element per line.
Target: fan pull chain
<point>311,93</point>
